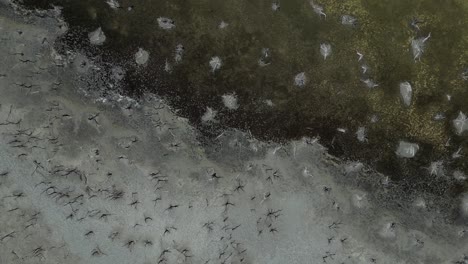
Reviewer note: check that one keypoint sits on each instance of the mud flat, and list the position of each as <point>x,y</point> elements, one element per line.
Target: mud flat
<point>93,178</point>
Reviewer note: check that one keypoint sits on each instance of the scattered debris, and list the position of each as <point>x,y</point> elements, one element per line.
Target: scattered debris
<point>317,9</point>
<point>118,73</point>
<point>418,45</point>
<point>414,24</point>
<point>370,83</point>
<point>406,92</point>
<point>353,167</point>
<point>457,154</point>
<point>97,37</point>
<point>348,20</point>
<point>419,203</point>
<point>361,134</point>
<point>223,25</point>
<point>230,101</point>
<point>439,116</point>
<point>364,68</point>
<point>460,123</point>
<point>141,57</point>
<point>359,200</point>
<point>306,172</point>
<point>325,50</point>
<point>275,6</point>
<point>300,79</point>
<point>360,56</point>
<point>388,231</point>
<point>209,115</point>
<point>114,4</point>
<point>342,130</point>
<point>407,150</point>
<point>374,118</point>
<point>437,168</point>
<point>215,63</point>
<point>166,23</point>
<point>459,175</point>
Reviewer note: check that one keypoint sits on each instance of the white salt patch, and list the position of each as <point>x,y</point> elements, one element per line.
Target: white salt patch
<point>439,116</point>
<point>317,9</point>
<point>230,101</point>
<point>179,52</point>
<point>361,134</point>
<point>370,83</point>
<point>364,68</point>
<point>141,56</point>
<point>215,63</point>
<point>459,175</point>
<point>460,123</point>
<point>447,143</point>
<point>97,37</point>
<point>406,92</point>
<point>275,6</point>
<point>113,4</point>
<point>223,25</point>
<point>209,115</point>
<point>269,102</point>
<point>418,46</point>
<point>437,168</point>
<point>414,23</point>
<point>407,150</point>
<point>325,50</point>
<point>457,154</point>
<point>166,23</point>
<point>300,79</point>
<point>360,56</point>
<point>342,130</point>
<point>348,20</point>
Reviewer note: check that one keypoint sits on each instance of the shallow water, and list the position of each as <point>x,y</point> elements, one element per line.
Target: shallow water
<point>335,97</point>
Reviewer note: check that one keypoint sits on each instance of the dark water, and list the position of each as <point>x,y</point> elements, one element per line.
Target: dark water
<point>334,95</point>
